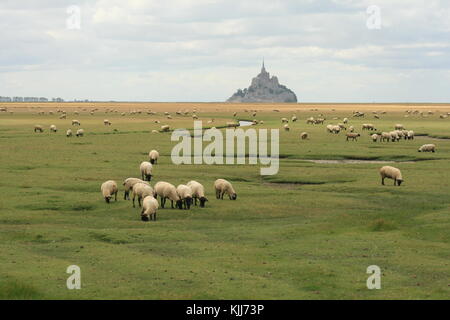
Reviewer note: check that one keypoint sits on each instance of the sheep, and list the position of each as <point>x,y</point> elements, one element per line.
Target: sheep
<point>76,123</point>
<point>294,118</point>
<point>222,186</point>
<point>106,122</point>
<point>38,128</point>
<point>185,194</point>
<point>353,136</point>
<point>141,190</point>
<point>284,120</point>
<point>155,131</point>
<point>410,135</point>
<point>80,133</point>
<point>310,120</point>
<point>165,128</point>
<point>385,136</point>
<point>391,173</point>
<point>286,127</point>
<point>109,188</point>
<point>335,129</point>
<point>63,116</point>
<point>427,148</point>
<point>351,129</point>
<point>394,136</point>
<point>399,127</point>
<point>342,126</point>
<point>374,137</point>
<point>53,128</point>
<point>149,207</point>
<point>304,135</point>
<point>128,184</point>
<point>198,192</point>
<point>166,191</point>
<point>68,133</point>
<point>153,155</point>
<point>329,128</point>
<point>319,121</point>
<point>146,170</point>
<point>345,120</point>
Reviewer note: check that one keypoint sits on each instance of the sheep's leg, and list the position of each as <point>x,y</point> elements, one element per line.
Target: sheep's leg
<point>125,195</point>
<point>222,195</point>
<point>382,181</point>
<point>395,182</point>
<point>139,201</point>
<point>162,202</point>
<point>134,196</point>
<point>115,196</point>
<point>217,194</point>
<point>171,201</point>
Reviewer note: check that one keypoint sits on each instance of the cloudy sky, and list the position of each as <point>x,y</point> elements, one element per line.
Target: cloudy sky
<point>203,50</point>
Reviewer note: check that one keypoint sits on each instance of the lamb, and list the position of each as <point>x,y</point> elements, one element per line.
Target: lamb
<point>185,194</point>
<point>198,192</point>
<point>109,188</point>
<point>80,133</point>
<point>141,190</point>
<point>153,155</point>
<point>304,135</point>
<point>222,186</point>
<point>149,208</point>
<point>146,170</point>
<point>106,122</point>
<point>427,148</point>
<point>75,123</point>
<point>128,185</point>
<point>374,137</point>
<point>353,136</point>
<point>53,128</point>
<point>38,128</point>
<point>166,191</point>
<point>68,133</point>
<point>391,173</point>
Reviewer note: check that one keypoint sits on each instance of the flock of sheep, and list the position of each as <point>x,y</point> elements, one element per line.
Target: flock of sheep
<point>181,197</point>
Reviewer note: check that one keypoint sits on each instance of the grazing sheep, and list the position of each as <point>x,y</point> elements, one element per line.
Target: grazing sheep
<point>410,135</point>
<point>141,190</point>
<point>149,207</point>
<point>153,156</point>
<point>63,116</point>
<point>294,118</point>
<point>385,136</point>
<point>391,173</point>
<point>155,131</point>
<point>284,120</point>
<point>128,185</point>
<point>68,133</point>
<point>345,120</point>
<point>352,135</point>
<point>399,127</point>
<point>38,128</point>
<point>351,129</point>
<point>53,128</point>
<point>374,137</point>
<point>165,128</point>
<point>109,188</point>
<point>198,192</point>
<point>80,133</point>
<point>146,170</point>
<point>166,191</point>
<point>394,136</point>
<point>427,148</point>
<point>310,120</point>
<point>304,135</point>
<point>106,122</point>
<point>76,123</point>
<point>342,126</point>
<point>286,127</point>
<point>319,121</point>
<point>335,129</point>
<point>222,186</point>
<point>185,194</point>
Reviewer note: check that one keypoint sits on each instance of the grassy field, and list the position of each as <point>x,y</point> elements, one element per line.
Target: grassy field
<point>309,232</point>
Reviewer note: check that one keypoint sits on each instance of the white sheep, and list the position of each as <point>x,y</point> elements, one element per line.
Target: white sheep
<point>141,190</point>
<point>108,189</point>
<point>304,135</point>
<point>185,194</point>
<point>38,128</point>
<point>153,155</point>
<point>286,127</point>
<point>106,122</point>
<point>165,128</point>
<point>128,185</point>
<point>198,192</point>
<point>391,173</point>
<point>68,133</point>
<point>385,136</point>
<point>399,126</point>
<point>294,118</point>
<point>80,133</point>
<point>410,135</point>
<point>374,137</point>
<point>222,186</point>
<point>53,128</point>
<point>146,170</point>
<point>284,120</point>
<point>149,208</point>
<point>166,191</point>
<point>76,123</point>
<point>427,148</point>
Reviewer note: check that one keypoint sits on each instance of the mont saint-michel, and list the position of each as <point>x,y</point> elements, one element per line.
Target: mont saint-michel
<point>264,88</point>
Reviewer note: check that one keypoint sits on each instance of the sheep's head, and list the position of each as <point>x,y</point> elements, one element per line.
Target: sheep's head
<point>202,202</point>
<point>107,199</point>
<point>152,161</point>
<point>148,177</point>
<point>188,202</point>
<point>234,196</point>
<point>179,204</point>
<point>399,181</point>
<point>145,217</point>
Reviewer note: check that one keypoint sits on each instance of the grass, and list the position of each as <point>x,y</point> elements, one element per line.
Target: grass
<point>309,232</point>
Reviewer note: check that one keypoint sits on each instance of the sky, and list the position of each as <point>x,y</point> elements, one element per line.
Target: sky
<point>204,50</point>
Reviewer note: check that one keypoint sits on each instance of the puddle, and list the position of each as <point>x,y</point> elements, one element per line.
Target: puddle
<point>245,123</point>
